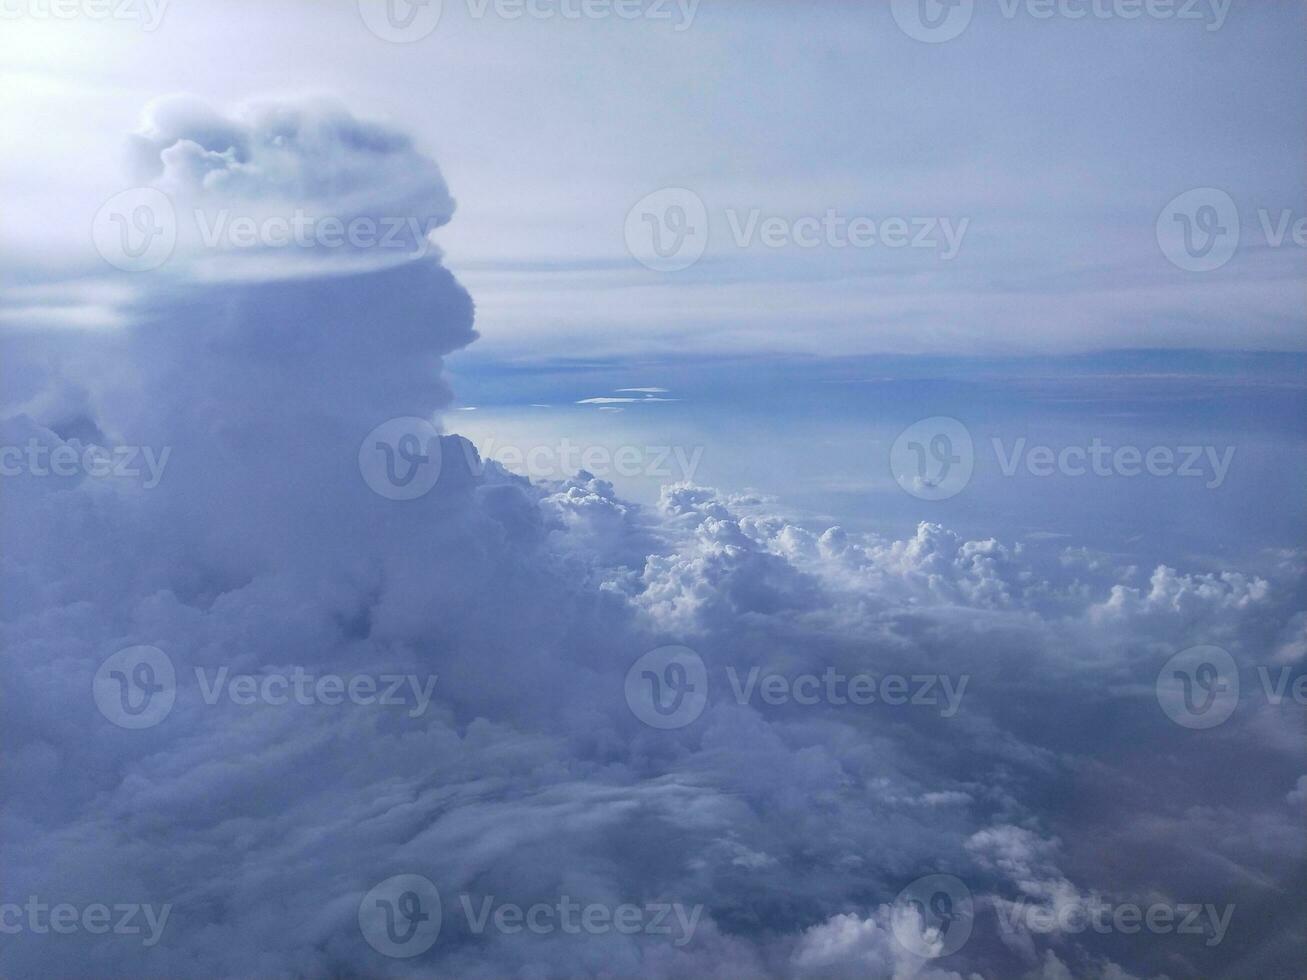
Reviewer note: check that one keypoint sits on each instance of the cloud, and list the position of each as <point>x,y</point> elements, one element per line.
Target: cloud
<point>529,777</point>
<point>277,159</point>
<point>849,946</point>
<point>615,400</point>
<point>1298,795</point>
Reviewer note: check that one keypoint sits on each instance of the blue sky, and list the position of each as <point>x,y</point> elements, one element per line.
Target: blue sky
<point>825,478</point>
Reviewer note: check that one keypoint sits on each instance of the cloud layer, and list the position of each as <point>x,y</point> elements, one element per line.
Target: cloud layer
<point>530,778</point>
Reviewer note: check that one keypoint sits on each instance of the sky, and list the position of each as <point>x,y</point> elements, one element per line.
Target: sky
<point>637,488</point>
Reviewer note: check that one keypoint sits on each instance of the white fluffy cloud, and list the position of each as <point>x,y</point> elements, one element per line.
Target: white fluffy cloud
<point>305,176</point>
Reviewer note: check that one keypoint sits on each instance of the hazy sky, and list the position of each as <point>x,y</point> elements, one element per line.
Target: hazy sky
<point>1053,144</point>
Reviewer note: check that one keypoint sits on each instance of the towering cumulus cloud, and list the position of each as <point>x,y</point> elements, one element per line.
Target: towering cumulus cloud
<point>343,686</point>
<point>274,158</point>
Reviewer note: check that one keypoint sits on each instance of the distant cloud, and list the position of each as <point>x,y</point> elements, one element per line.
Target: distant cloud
<point>309,152</point>
<point>650,395</point>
